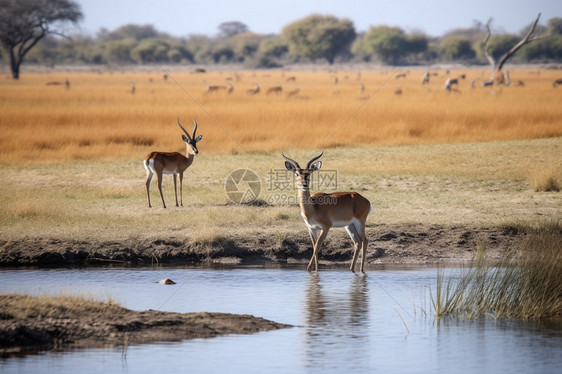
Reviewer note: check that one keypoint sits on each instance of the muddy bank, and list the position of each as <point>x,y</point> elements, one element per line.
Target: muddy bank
<point>41,323</point>
<point>388,244</point>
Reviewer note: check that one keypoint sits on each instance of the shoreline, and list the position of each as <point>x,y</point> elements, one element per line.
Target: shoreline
<point>388,245</point>
<point>34,324</point>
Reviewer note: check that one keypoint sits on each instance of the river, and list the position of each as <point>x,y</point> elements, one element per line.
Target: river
<point>344,323</point>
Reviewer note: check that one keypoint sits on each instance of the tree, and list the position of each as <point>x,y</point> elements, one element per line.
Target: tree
<point>24,22</point>
<point>501,44</point>
<point>246,45</point>
<point>389,43</point>
<point>131,31</point>
<point>230,29</point>
<point>497,65</point>
<point>119,51</point>
<point>318,36</point>
<point>555,26</point>
<point>456,48</point>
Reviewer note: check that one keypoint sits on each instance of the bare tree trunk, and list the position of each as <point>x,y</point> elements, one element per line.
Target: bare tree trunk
<point>14,65</point>
<point>496,67</point>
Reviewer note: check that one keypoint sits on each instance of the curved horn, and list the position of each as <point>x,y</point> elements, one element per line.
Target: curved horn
<point>186,133</point>
<point>314,159</point>
<point>296,164</point>
<point>194,128</point>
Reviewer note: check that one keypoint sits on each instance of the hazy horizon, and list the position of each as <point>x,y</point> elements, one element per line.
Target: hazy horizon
<point>182,18</point>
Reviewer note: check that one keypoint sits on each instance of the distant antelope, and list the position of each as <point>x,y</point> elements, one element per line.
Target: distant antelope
<point>425,78</point>
<point>323,211</point>
<point>401,75</point>
<point>450,82</point>
<point>216,88</point>
<point>66,83</point>
<point>291,79</point>
<point>171,163</point>
<point>507,80</point>
<point>500,78</point>
<point>253,91</point>
<point>557,82</point>
<point>275,89</point>
<point>293,92</point>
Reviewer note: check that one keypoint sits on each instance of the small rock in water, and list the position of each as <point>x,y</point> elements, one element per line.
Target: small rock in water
<point>167,281</point>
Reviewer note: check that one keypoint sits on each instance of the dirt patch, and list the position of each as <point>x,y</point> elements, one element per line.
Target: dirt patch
<point>388,244</point>
<point>58,324</point>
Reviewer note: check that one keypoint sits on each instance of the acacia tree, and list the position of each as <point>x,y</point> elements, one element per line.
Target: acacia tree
<point>496,66</point>
<point>318,36</point>
<point>24,22</point>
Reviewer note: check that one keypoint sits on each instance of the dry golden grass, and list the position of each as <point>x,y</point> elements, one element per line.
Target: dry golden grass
<point>99,118</point>
<point>71,158</point>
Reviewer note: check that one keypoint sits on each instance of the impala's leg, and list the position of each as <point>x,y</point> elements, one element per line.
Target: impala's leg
<point>360,228</point>
<point>149,175</point>
<point>159,175</point>
<point>317,249</point>
<point>313,238</point>
<point>181,192</point>
<point>354,235</point>
<point>364,250</point>
<point>176,187</point>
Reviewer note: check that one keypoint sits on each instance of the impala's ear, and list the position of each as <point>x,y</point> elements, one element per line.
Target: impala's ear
<point>185,139</point>
<point>290,167</point>
<point>198,138</point>
<point>315,166</point>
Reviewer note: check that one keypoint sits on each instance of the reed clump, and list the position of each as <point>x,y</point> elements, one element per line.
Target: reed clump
<point>526,284</point>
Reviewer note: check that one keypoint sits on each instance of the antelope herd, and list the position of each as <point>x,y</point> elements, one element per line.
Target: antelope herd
<point>450,83</point>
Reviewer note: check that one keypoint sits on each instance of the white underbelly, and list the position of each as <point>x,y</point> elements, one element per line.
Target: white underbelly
<point>313,224</point>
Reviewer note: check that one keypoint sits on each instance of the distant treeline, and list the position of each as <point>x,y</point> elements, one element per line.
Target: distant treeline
<point>236,44</point>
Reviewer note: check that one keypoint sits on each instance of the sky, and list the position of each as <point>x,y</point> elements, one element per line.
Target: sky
<point>182,18</point>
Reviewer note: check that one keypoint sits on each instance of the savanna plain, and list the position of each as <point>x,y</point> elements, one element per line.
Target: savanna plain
<point>446,172</point>
<point>453,176</point>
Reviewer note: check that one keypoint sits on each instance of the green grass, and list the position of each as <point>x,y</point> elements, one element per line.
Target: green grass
<point>525,284</point>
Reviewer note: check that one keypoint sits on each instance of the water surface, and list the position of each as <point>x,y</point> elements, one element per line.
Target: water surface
<point>344,322</point>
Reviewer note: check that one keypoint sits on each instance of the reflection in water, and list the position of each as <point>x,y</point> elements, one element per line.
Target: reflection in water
<point>337,327</point>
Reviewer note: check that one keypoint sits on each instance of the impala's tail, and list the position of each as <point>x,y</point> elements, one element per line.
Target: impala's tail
<point>371,208</point>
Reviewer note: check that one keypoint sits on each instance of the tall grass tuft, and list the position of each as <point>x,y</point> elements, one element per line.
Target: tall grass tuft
<point>546,182</point>
<point>526,284</point>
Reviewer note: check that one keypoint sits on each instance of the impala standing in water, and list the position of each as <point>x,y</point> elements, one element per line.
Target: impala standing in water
<point>322,211</point>
<point>171,163</point>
